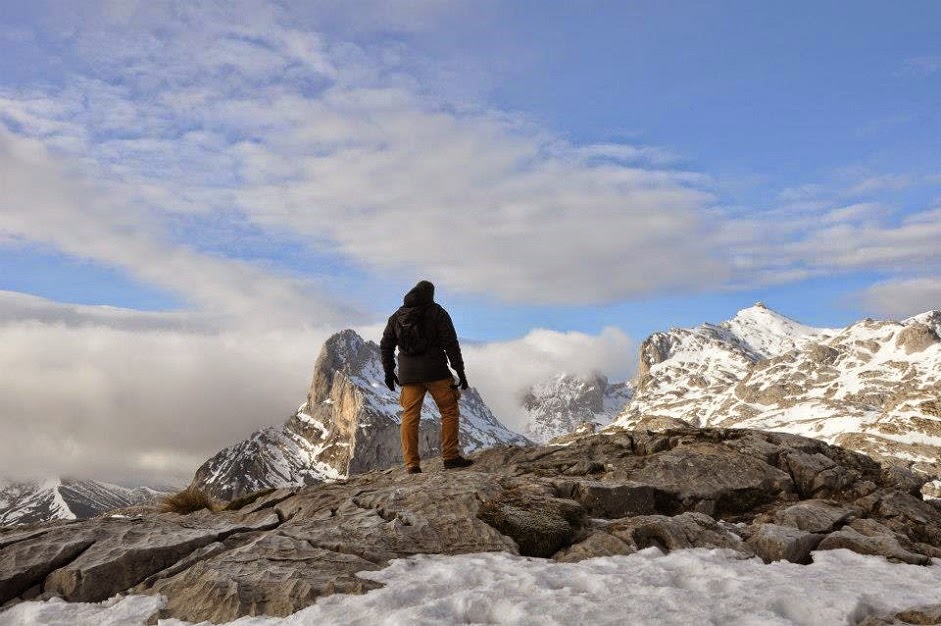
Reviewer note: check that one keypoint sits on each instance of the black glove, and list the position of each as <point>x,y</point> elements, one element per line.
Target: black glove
<point>392,381</point>
<point>462,380</point>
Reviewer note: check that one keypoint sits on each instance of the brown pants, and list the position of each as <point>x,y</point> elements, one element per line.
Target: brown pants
<point>411,398</point>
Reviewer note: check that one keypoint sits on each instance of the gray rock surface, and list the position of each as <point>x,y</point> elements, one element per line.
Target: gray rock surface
<point>598,495</point>
<point>124,552</point>
<point>271,574</point>
<point>928,614</point>
<point>816,516</point>
<point>783,543</point>
<point>870,537</point>
<point>27,563</point>
<point>686,530</point>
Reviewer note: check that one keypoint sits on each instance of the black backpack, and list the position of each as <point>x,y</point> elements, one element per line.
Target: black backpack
<point>411,330</point>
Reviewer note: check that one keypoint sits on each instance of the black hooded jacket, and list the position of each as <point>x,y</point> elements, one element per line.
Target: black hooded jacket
<point>443,345</point>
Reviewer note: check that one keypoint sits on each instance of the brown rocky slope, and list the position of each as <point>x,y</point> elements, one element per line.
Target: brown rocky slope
<point>773,495</point>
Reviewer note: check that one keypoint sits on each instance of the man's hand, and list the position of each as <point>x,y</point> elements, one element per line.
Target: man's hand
<point>462,380</point>
<point>392,381</point>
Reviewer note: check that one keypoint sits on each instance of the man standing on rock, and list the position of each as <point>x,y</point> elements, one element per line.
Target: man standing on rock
<point>427,342</point>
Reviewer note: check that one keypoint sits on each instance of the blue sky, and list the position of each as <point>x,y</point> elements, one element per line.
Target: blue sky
<point>201,192</point>
<point>762,100</point>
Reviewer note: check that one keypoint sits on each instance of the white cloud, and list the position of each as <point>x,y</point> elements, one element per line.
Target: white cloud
<point>482,204</point>
<point>136,397</point>
<point>885,182</point>
<point>860,212</point>
<point>44,202</point>
<point>907,246</point>
<point>903,297</point>
<point>504,371</point>
<point>194,109</point>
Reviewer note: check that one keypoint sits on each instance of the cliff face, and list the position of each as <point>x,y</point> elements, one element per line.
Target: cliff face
<point>348,425</point>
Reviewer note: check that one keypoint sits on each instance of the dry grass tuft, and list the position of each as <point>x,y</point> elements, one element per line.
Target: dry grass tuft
<point>189,500</point>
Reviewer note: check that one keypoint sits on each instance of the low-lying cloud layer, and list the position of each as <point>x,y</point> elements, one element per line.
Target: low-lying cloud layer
<point>146,398</point>
<point>91,392</point>
<point>504,371</point>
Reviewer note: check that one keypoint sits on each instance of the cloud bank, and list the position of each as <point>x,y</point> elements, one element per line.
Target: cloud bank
<point>504,371</point>
<point>133,397</point>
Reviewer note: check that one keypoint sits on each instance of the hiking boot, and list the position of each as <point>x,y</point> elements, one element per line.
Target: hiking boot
<point>457,462</point>
<point>413,470</point>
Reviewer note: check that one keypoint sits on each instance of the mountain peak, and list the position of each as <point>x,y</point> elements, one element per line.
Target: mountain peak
<point>932,319</point>
<point>343,345</point>
<point>768,332</point>
<point>870,387</point>
<point>763,310</point>
<point>349,425</point>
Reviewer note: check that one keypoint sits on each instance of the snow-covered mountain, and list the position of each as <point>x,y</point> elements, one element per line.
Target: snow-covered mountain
<point>54,499</point>
<point>563,403</point>
<point>348,425</point>
<point>874,386</point>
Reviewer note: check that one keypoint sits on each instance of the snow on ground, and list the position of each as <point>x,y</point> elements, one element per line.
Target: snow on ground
<point>683,587</point>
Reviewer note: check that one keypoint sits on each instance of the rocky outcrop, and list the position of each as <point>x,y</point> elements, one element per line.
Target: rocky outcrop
<point>348,425</point>
<point>775,496</point>
<point>916,337</point>
<point>872,387</point>
<point>928,614</point>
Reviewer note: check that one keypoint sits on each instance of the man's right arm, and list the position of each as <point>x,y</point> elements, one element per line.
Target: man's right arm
<point>387,348</point>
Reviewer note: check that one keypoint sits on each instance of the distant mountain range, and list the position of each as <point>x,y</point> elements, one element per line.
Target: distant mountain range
<point>560,405</point>
<point>874,386</point>
<point>43,501</point>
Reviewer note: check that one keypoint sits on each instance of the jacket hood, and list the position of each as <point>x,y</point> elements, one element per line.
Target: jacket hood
<point>422,293</point>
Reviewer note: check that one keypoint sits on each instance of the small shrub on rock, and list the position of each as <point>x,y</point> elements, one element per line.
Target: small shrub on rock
<point>189,500</point>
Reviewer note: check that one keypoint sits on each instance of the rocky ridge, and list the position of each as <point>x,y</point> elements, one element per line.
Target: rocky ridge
<point>561,404</point>
<point>873,387</point>
<point>771,495</point>
<point>30,502</point>
<point>349,424</point>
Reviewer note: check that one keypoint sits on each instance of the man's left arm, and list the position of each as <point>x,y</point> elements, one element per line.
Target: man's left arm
<point>452,348</point>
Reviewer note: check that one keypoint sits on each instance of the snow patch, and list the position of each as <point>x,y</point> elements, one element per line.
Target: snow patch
<point>684,587</point>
